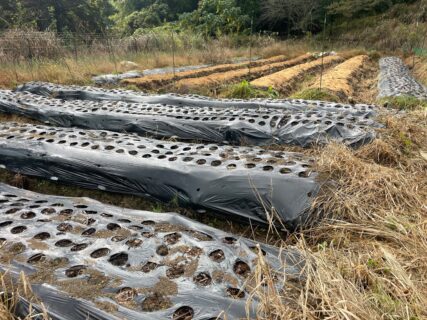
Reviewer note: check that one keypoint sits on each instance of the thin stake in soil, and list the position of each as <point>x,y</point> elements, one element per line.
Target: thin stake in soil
<point>322,53</point>
<point>173,59</point>
<point>250,46</point>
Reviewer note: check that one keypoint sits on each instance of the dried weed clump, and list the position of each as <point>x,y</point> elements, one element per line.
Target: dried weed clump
<point>367,257</point>
<point>12,290</point>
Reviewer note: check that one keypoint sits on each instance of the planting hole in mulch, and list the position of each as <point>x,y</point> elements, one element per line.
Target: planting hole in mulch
<point>255,249</point>
<point>217,255</point>
<point>88,232</point>
<point>236,293</point>
<point>118,238</point>
<point>125,294</point>
<point>100,253</point>
<point>36,258</point>
<point>79,247</point>
<point>48,211</point>
<point>162,250</point>
<point>172,238</point>
<point>241,268</point>
<point>42,236</point>
<point>18,229</point>
<point>183,313</point>
<point>64,243</point>
<point>149,266</point>
<point>28,215</point>
<point>75,271</point>
<point>113,226</point>
<point>203,279</point>
<point>229,240</point>
<point>64,227</point>
<point>5,224</point>
<point>119,259</point>
<point>134,243</point>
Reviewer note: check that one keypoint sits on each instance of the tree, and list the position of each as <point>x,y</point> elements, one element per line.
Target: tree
<point>136,14</point>
<point>216,17</point>
<point>294,15</point>
<point>58,15</point>
<point>358,8</point>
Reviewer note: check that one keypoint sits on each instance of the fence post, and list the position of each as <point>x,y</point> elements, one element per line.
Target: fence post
<point>173,58</point>
<point>74,46</point>
<point>250,46</point>
<point>322,53</point>
<point>111,52</point>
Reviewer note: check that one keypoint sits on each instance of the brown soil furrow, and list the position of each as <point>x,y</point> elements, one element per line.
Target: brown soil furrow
<point>155,81</point>
<point>285,80</point>
<point>340,79</point>
<point>218,79</point>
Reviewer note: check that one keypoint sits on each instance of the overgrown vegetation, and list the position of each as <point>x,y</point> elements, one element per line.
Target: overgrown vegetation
<point>208,17</point>
<point>404,103</point>
<point>244,90</point>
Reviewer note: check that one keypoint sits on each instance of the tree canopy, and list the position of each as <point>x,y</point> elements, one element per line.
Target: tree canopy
<point>209,17</point>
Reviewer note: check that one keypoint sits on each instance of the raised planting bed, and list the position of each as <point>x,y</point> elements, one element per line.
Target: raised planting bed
<point>218,79</point>
<point>86,260</point>
<point>339,80</point>
<point>158,80</point>
<point>396,80</point>
<point>64,92</point>
<point>286,79</point>
<point>291,124</point>
<point>116,78</point>
<point>238,182</point>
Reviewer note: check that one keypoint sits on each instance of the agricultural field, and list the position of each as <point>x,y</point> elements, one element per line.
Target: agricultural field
<point>314,153</point>
<point>196,177</point>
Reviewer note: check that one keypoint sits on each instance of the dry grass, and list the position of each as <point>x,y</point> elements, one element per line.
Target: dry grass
<point>367,259</point>
<point>339,80</point>
<point>11,290</point>
<point>66,69</point>
<point>419,68</point>
<point>285,80</point>
<point>154,81</point>
<point>218,79</point>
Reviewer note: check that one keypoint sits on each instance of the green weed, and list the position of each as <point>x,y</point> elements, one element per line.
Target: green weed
<point>404,103</point>
<point>244,90</point>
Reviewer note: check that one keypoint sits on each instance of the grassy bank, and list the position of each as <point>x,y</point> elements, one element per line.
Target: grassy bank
<point>67,66</point>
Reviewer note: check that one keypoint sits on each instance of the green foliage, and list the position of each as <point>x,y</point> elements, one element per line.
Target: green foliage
<point>56,15</point>
<point>404,103</point>
<point>133,15</point>
<point>315,94</point>
<point>216,17</point>
<point>406,142</point>
<point>244,90</point>
<point>358,8</point>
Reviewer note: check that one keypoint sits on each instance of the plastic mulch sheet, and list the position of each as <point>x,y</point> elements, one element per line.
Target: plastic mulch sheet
<point>116,78</point>
<point>397,80</point>
<point>239,126</point>
<point>87,260</point>
<point>241,182</point>
<point>97,94</point>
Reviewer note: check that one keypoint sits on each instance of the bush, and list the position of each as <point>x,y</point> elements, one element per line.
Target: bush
<point>18,45</point>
